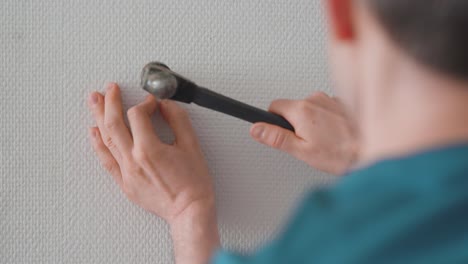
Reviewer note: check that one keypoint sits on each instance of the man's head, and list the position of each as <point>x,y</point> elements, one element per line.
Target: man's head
<point>368,34</point>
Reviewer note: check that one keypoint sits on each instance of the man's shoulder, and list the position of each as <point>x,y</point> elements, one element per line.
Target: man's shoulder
<point>405,210</point>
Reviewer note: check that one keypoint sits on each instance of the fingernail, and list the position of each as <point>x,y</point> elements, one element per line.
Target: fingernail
<point>161,105</point>
<point>257,131</point>
<point>111,85</point>
<point>94,99</point>
<point>93,133</point>
<point>152,97</point>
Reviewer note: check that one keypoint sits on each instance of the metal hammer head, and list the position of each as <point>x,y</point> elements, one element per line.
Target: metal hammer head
<point>159,80</point>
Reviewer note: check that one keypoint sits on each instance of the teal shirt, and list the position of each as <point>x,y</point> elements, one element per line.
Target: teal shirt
<point>412,209</point>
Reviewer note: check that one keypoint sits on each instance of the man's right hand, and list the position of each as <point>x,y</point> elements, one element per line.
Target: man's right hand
<point>325,138</point>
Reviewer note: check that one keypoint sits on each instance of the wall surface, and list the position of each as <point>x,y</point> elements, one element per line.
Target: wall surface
<point>56,203</point>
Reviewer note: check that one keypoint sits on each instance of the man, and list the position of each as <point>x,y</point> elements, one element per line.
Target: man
<point>401,70</point>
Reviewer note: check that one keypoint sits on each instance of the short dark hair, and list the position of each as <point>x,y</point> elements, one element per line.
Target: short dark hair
<point>435,32</point>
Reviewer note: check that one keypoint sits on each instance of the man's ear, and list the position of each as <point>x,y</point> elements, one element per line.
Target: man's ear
<point>340,17</point>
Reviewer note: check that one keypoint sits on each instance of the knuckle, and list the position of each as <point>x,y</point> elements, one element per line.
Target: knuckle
<point>279,140</point>
<point>319,95</point>
<point>141,156</point>
<point>134,111</point>
<point>304,106</point>
<point>138,163</point>
<point>133,168</point>
<point>111,125</point>
<point>109,166</point>
<point>276,103</point>
<point>109,143</point>
<point>308,109</point>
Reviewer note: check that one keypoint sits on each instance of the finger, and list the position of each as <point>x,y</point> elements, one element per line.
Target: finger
<point>341,105</point>
<point>105,156</point>
<point>139,118</point>
<point>96,104</point>
<point>179,121</point>
<point>114,120</point>
<point>287,109</point>
<point>323,100</point>
<point>276,137</point>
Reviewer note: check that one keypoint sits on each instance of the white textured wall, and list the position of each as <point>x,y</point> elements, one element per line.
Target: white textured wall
<point>56,204</point>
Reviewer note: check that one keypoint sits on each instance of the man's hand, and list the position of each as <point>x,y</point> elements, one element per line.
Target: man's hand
<point>171,181</point>
<point>324,136</point>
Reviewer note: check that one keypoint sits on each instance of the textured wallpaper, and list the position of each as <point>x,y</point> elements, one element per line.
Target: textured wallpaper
<point>56,203</point>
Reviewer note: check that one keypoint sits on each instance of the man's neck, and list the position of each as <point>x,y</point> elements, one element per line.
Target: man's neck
<point>412,110</point>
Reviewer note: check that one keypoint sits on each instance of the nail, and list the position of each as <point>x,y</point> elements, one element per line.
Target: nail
<point>257,131</point>
<point>94,99</point>
<point>111,85</point>
<point>151,97</point>
<point>162,105</point>
<point>93,133</point>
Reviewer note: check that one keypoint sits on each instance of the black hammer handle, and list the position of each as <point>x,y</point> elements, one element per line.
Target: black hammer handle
<point>209,99</point>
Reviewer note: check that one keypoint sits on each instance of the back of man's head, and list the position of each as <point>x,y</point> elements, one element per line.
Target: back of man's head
<point>435,32</point>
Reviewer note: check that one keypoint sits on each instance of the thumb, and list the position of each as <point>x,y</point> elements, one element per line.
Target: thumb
<point>179,121</point>
<point>275,137</point>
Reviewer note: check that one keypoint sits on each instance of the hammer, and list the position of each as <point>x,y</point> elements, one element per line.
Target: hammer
<point>160,81</point>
